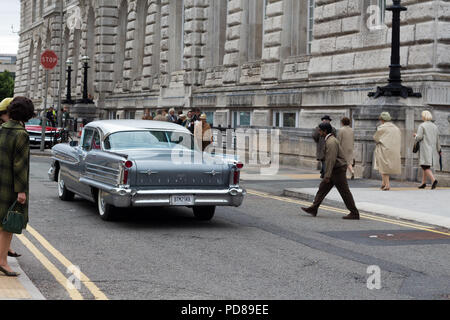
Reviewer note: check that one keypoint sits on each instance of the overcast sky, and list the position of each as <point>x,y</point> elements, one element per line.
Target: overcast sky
<point>9,16</point>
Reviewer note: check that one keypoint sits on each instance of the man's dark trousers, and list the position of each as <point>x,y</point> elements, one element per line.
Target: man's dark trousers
<point>338,179</point>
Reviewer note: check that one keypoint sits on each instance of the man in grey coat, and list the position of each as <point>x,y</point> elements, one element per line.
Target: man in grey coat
<point>320,141</point>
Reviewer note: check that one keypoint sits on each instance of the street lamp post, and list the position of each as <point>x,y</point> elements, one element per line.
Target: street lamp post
<point>69,83</point>
<point>85,99</point>
<point>395,87</point>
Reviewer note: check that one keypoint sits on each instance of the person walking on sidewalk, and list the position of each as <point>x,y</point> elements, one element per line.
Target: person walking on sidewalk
<point>14,170</point>
<point>335,175</point>
<point>346,139</point>
<point>4,118</point>
<point>320,141</point>
<point>388,139</point>
<point>430,148</point>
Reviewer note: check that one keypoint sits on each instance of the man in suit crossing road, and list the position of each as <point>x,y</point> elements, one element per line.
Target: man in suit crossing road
<point>335,175</point>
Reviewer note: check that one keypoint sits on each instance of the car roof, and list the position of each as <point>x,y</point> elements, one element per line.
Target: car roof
<point>112,126</point>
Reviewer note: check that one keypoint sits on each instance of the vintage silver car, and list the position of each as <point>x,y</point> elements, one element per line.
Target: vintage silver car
<point>141,163</point>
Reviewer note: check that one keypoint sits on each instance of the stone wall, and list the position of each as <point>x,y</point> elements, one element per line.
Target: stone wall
<point>134,61</point>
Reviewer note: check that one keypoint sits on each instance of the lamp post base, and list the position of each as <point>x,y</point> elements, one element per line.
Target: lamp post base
<point>395,91</point>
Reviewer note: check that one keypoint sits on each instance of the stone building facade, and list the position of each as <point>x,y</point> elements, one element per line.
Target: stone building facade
<point>249,63</point>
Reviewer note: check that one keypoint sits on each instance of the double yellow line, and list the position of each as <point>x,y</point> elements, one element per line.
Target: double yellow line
<point>73,292</point>
<point>363,215</point>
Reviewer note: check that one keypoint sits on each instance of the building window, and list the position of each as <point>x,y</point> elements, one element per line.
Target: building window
<point>112,115</point>
<point>311,5</point>
<point>210,117</point>
<point>139,42</point>
<point>130,114</point>
<point>217,29</point>
<point>286,119</point>
<point>121,41</point>
<point>241,118</point>
<point>255,25</point>
<point>156,50</point>
<point>296,28</point>
<point>176,41</point>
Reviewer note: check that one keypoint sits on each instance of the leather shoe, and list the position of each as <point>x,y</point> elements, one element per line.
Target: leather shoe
<point>9,274</point>
<point>434,185</point>
<point>351,216</point>
<point>310,211</point>
<point>13,254</point>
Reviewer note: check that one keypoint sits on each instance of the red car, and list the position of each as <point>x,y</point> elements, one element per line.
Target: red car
<point>52,135</point>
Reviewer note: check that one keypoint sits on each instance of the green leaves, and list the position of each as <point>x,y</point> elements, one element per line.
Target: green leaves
<point>6,85</point>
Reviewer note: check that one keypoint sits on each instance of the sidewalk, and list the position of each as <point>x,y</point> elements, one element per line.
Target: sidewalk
<point>18,288</point>
<point>403,201</point>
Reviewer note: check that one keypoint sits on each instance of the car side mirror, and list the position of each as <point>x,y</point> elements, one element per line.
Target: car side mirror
<point>73,143</point>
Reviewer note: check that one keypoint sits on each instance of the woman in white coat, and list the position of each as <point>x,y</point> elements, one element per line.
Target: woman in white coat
<point>388,139</point>
<point>430,148</point>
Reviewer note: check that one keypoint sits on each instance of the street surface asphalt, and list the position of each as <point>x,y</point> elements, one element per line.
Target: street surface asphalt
<point>265,249</point>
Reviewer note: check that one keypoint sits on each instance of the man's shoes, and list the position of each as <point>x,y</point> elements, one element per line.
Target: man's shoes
<point>311,211</point>
<point>351,216</point>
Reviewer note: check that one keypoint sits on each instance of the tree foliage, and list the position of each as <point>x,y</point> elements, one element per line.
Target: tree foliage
<point>6,85</point>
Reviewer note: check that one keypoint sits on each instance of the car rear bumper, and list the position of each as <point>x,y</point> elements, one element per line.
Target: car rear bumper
<point>123,197</point>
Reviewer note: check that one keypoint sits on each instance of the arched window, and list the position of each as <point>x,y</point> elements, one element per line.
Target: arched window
<point>217,29</point>
<point>176,35</point>
<point>121,41</point>
<point>139,41</point>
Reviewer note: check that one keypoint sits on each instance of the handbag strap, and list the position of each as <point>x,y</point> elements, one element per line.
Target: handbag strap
<point>14,205</point>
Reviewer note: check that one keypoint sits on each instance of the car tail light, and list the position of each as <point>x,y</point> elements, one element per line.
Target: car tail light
<point>239,165</point>
<point>127,165</point>
<point>236,176</point>
<point>125,176</point>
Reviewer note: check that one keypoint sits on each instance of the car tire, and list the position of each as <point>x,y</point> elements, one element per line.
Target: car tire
<point>63,193</point>
<point>204,213</point>
<point>106,211</point>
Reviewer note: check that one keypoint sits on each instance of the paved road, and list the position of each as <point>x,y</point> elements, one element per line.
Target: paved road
<point>266,249</point>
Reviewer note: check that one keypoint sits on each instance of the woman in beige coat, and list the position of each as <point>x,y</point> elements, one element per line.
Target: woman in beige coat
<point>387,151</point>
<point>346,139</point>
<point>430,148</point>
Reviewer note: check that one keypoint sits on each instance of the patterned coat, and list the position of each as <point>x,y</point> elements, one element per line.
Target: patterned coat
<point>14,166</point>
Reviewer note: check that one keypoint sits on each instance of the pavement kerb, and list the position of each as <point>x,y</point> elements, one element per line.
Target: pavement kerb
<point>18,288</point>
<point>38,152</point>
<point>407,215</point>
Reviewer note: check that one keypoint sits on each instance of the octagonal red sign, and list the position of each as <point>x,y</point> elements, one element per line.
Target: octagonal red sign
<point>49,59</point>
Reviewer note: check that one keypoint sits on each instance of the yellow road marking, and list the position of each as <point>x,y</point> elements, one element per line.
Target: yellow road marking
<point>63,281</point>
<point>364,215</point>
<point>98,295</point>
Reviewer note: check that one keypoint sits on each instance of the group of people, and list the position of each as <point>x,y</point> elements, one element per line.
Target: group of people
<point>194,121</point>
<point>14,169</point>
<point>335,152</point>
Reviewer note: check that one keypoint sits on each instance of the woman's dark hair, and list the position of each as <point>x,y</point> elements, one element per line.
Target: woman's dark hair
<point>21,109</point>
<point>345,121</point>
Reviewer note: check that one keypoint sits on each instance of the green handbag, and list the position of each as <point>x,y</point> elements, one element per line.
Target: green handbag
<point>14,220</point>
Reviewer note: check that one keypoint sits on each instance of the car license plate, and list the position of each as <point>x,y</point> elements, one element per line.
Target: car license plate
<point>183,200</point>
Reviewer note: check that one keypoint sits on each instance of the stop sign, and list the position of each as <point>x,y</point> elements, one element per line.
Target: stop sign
<point>49,59</point>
